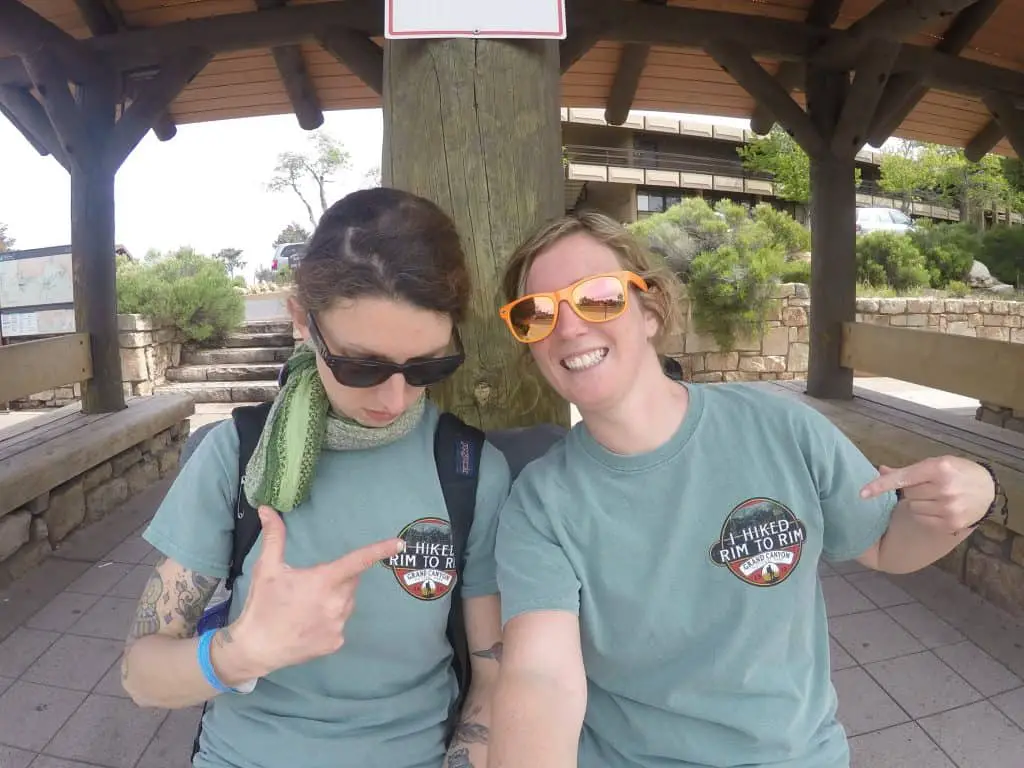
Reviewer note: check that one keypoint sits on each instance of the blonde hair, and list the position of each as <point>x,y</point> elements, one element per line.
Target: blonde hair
<point>663,296</point>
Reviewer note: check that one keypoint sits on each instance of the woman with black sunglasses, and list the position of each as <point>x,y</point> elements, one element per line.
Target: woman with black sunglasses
<point>334,649</point>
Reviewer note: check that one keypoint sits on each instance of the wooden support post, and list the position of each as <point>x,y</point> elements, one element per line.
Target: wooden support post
<point>92,247</point>
<point>453,134</point>
<point>833,241</point>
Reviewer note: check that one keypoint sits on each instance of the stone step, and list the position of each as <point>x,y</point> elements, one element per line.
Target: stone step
<point>265,372</point>
<point>222,391</point>
<point>243,339</point>
<point>235,355</point>
<point>267,326</point>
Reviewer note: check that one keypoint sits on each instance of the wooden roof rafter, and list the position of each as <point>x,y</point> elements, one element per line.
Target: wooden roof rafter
<point>297,82</point>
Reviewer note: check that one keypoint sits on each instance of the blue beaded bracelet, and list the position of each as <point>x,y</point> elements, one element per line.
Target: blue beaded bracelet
<point>206,664</point>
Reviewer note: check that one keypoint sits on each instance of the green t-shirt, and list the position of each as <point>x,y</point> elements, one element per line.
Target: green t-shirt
<point>693,570</point>
<point>382,699</point>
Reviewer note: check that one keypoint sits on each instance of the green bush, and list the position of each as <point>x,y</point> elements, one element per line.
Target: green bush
<point>958,289</point>
<point>191,292</point>
<point>796,272</point>
<point>789,233</point>
<point>1003,254</point>
<point>949,250</point>
<point>888,258</point>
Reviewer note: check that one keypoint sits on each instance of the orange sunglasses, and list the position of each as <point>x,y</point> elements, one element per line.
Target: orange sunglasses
<point>596,299</point>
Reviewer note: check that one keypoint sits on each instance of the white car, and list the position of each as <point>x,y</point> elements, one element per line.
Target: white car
<point>883,220</point>
<point>288,254</point>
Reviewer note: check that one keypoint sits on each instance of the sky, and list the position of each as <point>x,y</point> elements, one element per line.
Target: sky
<point>205,188</point>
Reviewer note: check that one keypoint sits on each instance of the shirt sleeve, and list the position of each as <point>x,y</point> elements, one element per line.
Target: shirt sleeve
<point>534,571</point>
<point>851,524</point>
<point>193,525</point>
<point>479,576</point>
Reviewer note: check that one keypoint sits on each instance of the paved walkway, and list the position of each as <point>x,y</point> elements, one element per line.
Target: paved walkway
<point>928,674</point>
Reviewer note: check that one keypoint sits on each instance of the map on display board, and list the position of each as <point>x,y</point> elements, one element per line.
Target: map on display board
<point>36,292</point>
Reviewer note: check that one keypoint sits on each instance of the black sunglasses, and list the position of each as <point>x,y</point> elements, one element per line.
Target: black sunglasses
<point>362,373</point>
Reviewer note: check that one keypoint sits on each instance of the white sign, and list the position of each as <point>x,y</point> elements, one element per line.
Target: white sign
<point>45,322</point>
<point>536,19</point>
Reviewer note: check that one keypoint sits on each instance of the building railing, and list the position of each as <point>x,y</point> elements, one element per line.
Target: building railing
<point>646,159</point>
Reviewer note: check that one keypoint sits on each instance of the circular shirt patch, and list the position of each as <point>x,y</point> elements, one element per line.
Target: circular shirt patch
<point>761,542</point>
<point>426,570</point>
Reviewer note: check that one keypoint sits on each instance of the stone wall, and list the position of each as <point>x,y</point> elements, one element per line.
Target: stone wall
<point>1000,320</point>
<point>30,533</point>
<point>780,353</point>
<point>147,351</point>
<point>991,562</point>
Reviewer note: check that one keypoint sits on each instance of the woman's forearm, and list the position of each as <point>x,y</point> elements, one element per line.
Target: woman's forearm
<point>164,672</point>
<point>470,741</point>
<point>908,545</point>
<point>536,724</point>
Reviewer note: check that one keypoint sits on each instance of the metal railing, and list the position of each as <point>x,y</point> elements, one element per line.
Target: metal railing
<point>659,161</point>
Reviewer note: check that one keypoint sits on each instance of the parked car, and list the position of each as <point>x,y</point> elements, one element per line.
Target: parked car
<point>883,220</point>
<point>288,254</point>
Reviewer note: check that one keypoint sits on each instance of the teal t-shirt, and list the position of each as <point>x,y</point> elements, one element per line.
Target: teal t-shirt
<point>383,698</point>
<point>693,570</point>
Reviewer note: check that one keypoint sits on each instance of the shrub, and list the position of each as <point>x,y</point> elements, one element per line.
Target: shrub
<point>949,250</point>
<point>793,236</point>
<point>958,289</point>
<point>191,292</point>
<point>796,272</point>
<point>1003,254</point>
<point>888,258</point>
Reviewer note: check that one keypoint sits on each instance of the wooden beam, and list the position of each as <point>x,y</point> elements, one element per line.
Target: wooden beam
<point>1010,119</point>
<point>986,369</point>
<point>627,79</point>
<point>577,44</point>
<point>868,85</point>
<point>296,79</point>
<point>358,54</point>
<point>25,111</point>
<point>822,15</point>
<point>763,87</point>
<point>905,91</point>
<point>889,20</point>
<point>59,105</point>
<point>984,141</point>
<point>833,232</point>
<point>25,32</point>
<point>153,99</point>
<point>33,366</point>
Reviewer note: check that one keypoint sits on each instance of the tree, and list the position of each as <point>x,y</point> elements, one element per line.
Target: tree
<point>780,155</point>
<point>297,171</point>
<point>6,241</point>
<point>232,258</point>
<point>293,233</point>
<point>372,177</point>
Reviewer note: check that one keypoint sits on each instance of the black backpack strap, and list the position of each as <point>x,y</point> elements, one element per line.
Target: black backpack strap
<point>249,421</point>
<point>458,448</point>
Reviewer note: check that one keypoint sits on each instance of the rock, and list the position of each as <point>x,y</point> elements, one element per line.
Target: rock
<point>996,579</point>
<point>66,512</point>
<point>104,498</point>
<point>980,277</point>
<point>15,530</point>
<point>142,476</point>
<point>123,461</point>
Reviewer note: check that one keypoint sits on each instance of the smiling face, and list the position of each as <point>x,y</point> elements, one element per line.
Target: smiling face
<point>592,365</point>
<point>378,329</point>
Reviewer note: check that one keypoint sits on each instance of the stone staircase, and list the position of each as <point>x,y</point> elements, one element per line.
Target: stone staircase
<point>244,370</point>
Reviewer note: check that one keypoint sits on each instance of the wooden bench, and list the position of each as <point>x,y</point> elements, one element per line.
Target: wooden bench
<point>896,432</point>
<point>40,454</point>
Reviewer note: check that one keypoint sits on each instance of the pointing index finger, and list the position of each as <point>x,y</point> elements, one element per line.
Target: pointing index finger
<point>360,560</point>
<point>894,480</point>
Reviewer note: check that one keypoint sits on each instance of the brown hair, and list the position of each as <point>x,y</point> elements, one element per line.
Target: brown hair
<point>663,298</point>
<point>388,243</point>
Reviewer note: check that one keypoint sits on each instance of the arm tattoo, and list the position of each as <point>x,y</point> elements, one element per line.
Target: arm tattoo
<point>147,617</point>
<point>494,652</point>
<point>459,758</point>
<point>468,731</point>
<point>194,592</point>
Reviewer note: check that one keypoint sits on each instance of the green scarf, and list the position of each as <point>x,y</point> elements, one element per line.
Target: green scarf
<point>300,424</point>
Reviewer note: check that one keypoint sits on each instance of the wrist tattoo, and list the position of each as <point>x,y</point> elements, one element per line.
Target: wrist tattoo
<point>459,758</point>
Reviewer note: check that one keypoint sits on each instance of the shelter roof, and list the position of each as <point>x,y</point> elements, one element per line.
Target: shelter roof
<point>328,40</point>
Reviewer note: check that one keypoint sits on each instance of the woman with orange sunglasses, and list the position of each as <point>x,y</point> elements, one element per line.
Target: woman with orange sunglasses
<point>658,567</point>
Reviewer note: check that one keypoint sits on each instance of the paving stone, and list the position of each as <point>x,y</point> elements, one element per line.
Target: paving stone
<point>1012,705</point>
<point>132,550</point>
<point>5,683</point>
<point>923,624</point>
<point>922,684</point>
<point>838,657</point>
<point>101,578</point>
<point>107,731</point>
<point>879,590</point>
<point>110,617</point>
<point>979,669</point>
<point>133,583</point>
<point>22,647</point>
<point>15,758</point>
<point>45,761</point>
<point>863,705</point>
<point>902,746</point>
<point>172,746</point>
<point>61,612</point>
<point>74,662</point>
<point>977,736</point>
<point>824,569</point>
<point>110,685</point>
<point>31,714</point>
<point>842,598</point>
<point>847,567</point>
<point>873,636</point>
